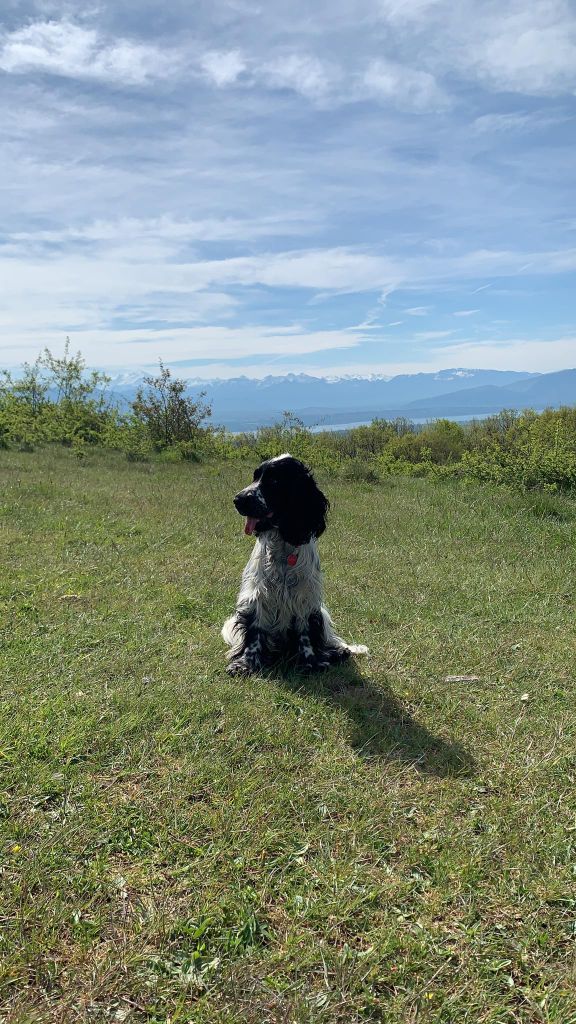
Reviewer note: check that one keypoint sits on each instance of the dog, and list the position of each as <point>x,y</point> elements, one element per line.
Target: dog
<point>279,611</point>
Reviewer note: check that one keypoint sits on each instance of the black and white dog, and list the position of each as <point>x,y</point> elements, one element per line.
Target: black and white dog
<point>279,611</point>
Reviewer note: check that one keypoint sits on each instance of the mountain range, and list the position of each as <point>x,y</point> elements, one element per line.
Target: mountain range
<point>244,404</point>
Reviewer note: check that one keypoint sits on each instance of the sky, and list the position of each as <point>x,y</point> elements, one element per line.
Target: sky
<point>252,188</point>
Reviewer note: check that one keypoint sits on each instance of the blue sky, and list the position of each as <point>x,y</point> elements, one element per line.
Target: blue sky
<point>250,188</point>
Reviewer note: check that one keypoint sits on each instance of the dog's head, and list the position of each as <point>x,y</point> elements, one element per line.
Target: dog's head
<point>283,496</point>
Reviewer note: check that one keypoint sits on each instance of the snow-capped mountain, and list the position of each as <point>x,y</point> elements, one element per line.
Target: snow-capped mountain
<point>243,403</point>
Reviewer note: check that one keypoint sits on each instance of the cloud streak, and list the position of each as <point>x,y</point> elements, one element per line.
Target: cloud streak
<point>72,51</point>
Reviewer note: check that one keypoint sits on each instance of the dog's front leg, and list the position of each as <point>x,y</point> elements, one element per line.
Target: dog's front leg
<point>312,653</point>
<point>249,655</point>
<point>306,660</point>
<point>327,649</point>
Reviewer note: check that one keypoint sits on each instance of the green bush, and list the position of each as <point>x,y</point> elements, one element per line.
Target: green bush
<point>56,400</point>
<point>170,416</point>
<point>361,471</point>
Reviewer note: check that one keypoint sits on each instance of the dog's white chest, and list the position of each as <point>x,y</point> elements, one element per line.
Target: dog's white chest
<point>284,593</point>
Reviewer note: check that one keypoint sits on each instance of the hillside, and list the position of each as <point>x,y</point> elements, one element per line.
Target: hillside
<point>388,844</point>
<point>474,401</point>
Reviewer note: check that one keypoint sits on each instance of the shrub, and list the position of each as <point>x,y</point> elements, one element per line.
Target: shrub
<point>170,416</point>
<point>53,400</point>
<point>361,471</point>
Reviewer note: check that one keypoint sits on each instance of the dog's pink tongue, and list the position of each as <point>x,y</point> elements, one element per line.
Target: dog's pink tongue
<point>250,525</point>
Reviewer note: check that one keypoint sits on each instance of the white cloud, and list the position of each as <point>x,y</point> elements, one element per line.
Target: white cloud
<point>404,11</point>
<point>70,50</point>
<point>433,335</point>
<point>94,299</point>
<point>121,348</point>
<point>523,48</point>
<point>324,52</point>
<point>341,270</point>
<point>538,60</point>
<point>511,46</point>
<point>163,230</point>
<point>465,312</point>
<point>223,67</point>
<point>529,354</point>
<point>303,73</point>
<point>128,268</point>
<point>516,122</point>
<point>406,87</point>
<point>508,263</point>
<point>514,47</point>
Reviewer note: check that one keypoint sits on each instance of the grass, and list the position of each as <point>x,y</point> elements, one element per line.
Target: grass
<point>380,844</point>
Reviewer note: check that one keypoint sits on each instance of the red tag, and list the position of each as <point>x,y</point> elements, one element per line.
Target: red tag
<point>292,559</point>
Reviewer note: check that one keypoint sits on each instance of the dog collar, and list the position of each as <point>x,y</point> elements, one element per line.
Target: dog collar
<point>293,558</point>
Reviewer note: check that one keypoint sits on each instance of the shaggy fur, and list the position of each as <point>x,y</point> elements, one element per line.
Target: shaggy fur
<point>279,611</point>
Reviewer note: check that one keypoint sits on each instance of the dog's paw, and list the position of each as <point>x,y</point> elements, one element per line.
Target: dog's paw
<point>337,655</point>
<point>239,667</point>
<point>307,667</point>
<point>322,665</point>
<point>310,666</point>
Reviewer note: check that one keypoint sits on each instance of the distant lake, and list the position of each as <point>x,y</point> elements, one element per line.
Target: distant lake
<point>317,428</point>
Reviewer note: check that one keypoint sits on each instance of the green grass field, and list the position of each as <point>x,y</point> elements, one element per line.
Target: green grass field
<point>383,844</point>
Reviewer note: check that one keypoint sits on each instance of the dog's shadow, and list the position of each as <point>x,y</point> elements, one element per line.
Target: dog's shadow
<point>382,726</point>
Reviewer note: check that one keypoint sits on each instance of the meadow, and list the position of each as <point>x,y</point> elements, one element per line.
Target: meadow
<point>393,842</point>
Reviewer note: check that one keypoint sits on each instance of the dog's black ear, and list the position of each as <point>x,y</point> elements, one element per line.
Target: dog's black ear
<point>304,515</point>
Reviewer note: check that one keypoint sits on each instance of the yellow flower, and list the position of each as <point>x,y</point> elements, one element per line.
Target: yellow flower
<point>16,848</point>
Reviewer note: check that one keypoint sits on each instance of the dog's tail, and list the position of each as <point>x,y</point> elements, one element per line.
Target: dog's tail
<point>336,641</point>
<point>357,648</point>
